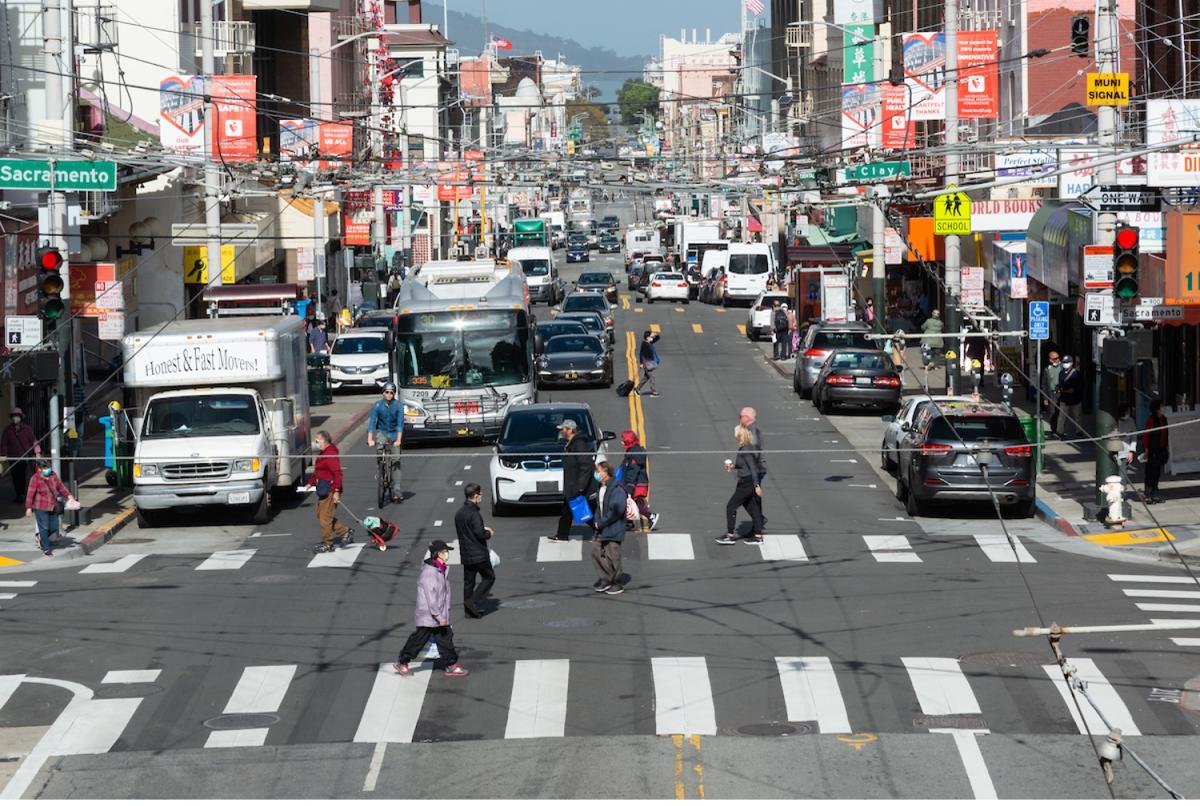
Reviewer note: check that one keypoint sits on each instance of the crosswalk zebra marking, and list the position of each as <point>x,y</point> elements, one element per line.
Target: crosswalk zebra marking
<point>8,685</point>
<point>683,701</point>
<point>342,557</point>
<point>260,689</point>
<point>559,551</point>
<point>116,567</point>
<point>1100,690</point>
<point>1167,607</point>
<point>238,737</point>
<point>811,693</point>
<point>538,706</point>
<point>783,548</point>
<point>226,560</point>
<point>998,549</point>
<point>940,686</point>
<point>660,546</point>
<point>394,705</point>
<point>8,596</point>
<point>1175,641</point>
<point>1154,579</point>
<point>131,676</point>
<point>1160,594</point>
<point>891,549</point>
<point>21,583</point>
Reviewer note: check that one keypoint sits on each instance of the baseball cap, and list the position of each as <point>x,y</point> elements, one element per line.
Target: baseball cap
<point>439,545</point>
<point>568,424</point>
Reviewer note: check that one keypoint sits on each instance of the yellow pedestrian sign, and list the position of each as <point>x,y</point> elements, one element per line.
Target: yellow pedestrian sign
<point>195,264</point>
<point>952,214</point>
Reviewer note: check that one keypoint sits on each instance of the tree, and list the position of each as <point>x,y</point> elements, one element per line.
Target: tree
<point>637,96</point>
<point>594,121</point>
<point>591,92</point>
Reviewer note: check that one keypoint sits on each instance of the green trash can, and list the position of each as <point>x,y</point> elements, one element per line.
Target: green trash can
<point>320,383</point>
<point>123,462</point>
<point>1033,434</point>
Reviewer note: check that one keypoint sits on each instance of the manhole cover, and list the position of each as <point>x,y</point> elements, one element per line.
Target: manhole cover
<point>241,721</point>
<point>528,604</point>
<point>775,729</point>
<point>573,623</point>
<point>1005,659</point>
<point>274,578</point>
<point>959,722</point>
<point>115,691</point>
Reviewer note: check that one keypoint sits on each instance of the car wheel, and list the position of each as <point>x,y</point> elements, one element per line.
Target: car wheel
<point>262,511</point>
<point>825,407</point>
<point>147,519</point>
<point>649,300</point>
<point>885,459</point>
<point>911,505</point>
<point>687,301</point>
<point>796,386</point>
<point>901,490</point>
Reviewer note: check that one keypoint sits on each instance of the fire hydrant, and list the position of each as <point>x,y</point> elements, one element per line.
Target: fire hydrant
<point>1113,491</point>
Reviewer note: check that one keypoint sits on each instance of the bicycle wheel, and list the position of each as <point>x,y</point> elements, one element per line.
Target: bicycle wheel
<point>384,493</point>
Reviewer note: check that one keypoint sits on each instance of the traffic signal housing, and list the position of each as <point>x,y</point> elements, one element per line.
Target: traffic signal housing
<point>1126,242</point>
<point>50,285</point>
<point>1081,35</point>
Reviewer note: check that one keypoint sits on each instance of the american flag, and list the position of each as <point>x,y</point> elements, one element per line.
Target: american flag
<point>755,7</point>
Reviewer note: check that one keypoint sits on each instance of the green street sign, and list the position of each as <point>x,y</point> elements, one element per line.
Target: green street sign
<point>68,175</point>
<point>879,171</point>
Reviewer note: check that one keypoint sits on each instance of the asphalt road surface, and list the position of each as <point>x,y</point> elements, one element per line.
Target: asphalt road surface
<point>858,654</point>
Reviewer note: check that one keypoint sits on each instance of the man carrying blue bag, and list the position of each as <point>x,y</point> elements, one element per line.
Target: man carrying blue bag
<point>577,479</point>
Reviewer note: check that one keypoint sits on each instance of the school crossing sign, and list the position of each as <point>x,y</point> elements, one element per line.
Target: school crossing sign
<point>952,214</point>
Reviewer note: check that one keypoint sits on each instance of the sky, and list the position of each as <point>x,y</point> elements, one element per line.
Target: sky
<point>628,27</point>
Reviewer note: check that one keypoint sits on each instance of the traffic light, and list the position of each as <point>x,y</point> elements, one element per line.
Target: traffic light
<point>50,285</point>
<point>1125,262</point>
<point>1081,35</point>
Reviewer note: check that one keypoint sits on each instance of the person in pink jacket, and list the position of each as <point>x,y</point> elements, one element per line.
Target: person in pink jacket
<point>432,614</point>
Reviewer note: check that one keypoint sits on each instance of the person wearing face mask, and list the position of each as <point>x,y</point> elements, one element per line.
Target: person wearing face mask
<point>41,503</point>
<point>19,444</point>
<point>327,478</point>
<point>577,478</point>
<point>1050,375</point>
<point>609,525</point>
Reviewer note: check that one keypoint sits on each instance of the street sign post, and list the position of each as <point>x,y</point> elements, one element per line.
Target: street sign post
<point>1039,320</point>
<point>22,332</point>
<point>1148,313</point>
<point>67,175</point>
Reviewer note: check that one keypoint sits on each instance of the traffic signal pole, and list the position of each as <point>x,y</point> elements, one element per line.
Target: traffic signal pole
<point>953,250</point>
<point>1106,175</point>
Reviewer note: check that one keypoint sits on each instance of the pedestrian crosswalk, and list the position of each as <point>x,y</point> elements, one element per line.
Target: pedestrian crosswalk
<point>1180,595</point>
<point>10,590</point>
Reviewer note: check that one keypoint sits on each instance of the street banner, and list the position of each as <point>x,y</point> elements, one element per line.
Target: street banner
<point>336,140</point>
<point>979,75</point>
<point>357,217</point>
<point>860,116</point>
<point>181,115</point>
<point>1168,121</point>
<point>898,129</point>
<point>298,140</point>
<point>924,72</point>
<point>858,54</point>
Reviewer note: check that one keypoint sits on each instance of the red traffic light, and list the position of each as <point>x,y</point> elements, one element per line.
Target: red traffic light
<point>49,258</point>
<point>1127,238</point>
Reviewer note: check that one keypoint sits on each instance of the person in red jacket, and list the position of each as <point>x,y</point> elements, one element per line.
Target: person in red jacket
<point>20,445</point>
<point>327,478</point>
<point>41,504</point>
<point>1156,446</point>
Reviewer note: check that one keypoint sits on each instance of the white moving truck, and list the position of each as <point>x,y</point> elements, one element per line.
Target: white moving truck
<point>641,239</point>
<point>541,275</point>
<point>220,413</point>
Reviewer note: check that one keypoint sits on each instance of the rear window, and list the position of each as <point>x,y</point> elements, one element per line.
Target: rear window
<point>862,361</point>
<point>667,276</point>
<point>574,344</point>
<point>973,429</point>
<point>748,264</point>
<point>827,339</point>
<point>596,303</point>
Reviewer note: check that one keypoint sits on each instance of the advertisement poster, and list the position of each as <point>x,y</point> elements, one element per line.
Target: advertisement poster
<point>1170,121</point>
<point>1078,166</point>
<point>357,218</point>
<point>181,115</point>
<point>979,75</point>
<point>924,72</point>
<point>1018,277</point>
<point>336,140</point>
<point>972,285</point>
<point>860,116</point>
<point>298,140</point>
<point>898,129</point>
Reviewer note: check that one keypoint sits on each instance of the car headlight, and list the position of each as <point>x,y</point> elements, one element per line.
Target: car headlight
<point>509,463</point>
<point>599,363</point>
<point>544,362</point>
<point>247,465</point>
<point>611,289</point>
<point>140,470</point>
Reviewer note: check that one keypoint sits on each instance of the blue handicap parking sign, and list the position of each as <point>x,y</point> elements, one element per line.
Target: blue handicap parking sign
<point>1039,319</point>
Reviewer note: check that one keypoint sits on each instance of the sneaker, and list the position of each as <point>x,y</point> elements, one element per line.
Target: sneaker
<point>613,590</point>
<point>402,669</point>
<point>48,552</point>
<point>636,392</point>
<point>727,540</point>
<point>756,540</point>
<point>600,586</point>
<point>321,548</point>
<point>654,521</point>
<point>472,611</point>
<point>652,394</point>
<point>455,671</point>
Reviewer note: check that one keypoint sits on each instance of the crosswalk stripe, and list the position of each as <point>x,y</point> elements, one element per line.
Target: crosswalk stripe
<point>8,596</point>
<point>1166,607</point>
<point>1100,690</point>
<point>1160,594</point>
<point>394,706</point>
<point>24,583</point>
<point>538,706</point>
<point>660,546</point>
<point>811,693</point>
<point>998,549</point>
<point>559,551</point>
<point>783,548</point>
<point>941,686</point>
<point>1154,579</point>
<point>131,676</point>
<point>226,560</point>
<point>338,558</point>
<point>89,726</point>
<point>116,567</point>
<point>238,737</point>
<point>683,701</point>
<point>8,685</point>
<point>260,689</point>
<point>891,549</point>
<point>1186,641</point>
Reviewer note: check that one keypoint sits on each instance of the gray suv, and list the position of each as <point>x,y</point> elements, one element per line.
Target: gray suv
<point>819,342</point>
<point>940,451</point>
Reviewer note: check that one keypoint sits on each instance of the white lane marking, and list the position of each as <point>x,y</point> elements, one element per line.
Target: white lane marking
<point>891,549</point>
<point>555,551</point>
<point>538,705</point>
<point>256,534</point>
<point>889,520</point>
<point>660,546</point>
<point>449,500</point>
<point>1153,579</point>
<point>1175,641</point>
<point>941,686</point>
<point>239,737</point>
<point>976,768</point>
<point>437,523</point>
<point>1160,594</point>
<point>453,559</point>
<point>8,684</point>
<point>1100,690</point>
<point>844,461</point>
<point>458,484</point>
<point>683,700</point>
<point>260,689</point>
<point>783,548</point>
<point>394,705</point>
<point>466,467</point>
<point>273,534</point>
<point>117,567</point>
<point>338,558</point>
<point>89,726</point>
<point>1167,607</point>
<point>998,549</point>
<point>8,596</point>
<point>811,693</point>
<point>131,676</point>
<point>1181,623</point>
<point>26,583</point>
<point>375,767</point>
<point>226,560</point>
<point>865,486</point>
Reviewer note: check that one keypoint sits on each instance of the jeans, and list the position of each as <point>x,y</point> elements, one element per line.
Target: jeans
<point>384,445</point>
<point>474,595</point>
<point>744,496</point>
<point>1071,419</point>
<point>47,525</point>
<point>1154,467</point>
<point>779,350</point>
<point>606,554</point>
<point>420,637</point>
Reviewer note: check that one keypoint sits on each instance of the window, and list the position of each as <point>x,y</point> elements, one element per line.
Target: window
<point>535,267</point>
<point>574,344</point>
<point>748,264</point>
<point>588,303</point>
<point>832,339</point>
<point>201,416</point>
<point>359,345</point>
<point>973,429</point>
<point>542,426</point>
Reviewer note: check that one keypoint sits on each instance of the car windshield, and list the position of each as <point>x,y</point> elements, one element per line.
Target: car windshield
<point>574,344</point>
<point>973,429</point>
<point>535,267</point>
<point>771,299</point>
<point>201,416</point>
<point>456,350</point>
<point>593,278</point>
<point>585,303</point>
<point>525,427</point>
<point>748,264</point>
<point>591,321</point>
<point>359,345</point>
<point>832,339</point>
<point>861,361</point>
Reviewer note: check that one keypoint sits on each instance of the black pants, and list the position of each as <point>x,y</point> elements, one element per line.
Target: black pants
<point>782,345</point>
<point>471,594</point>
<point>1154,466</point>
<point>744,496</point>
<point>565,521</point>
<point>420,637</point>
<point>20,479</point>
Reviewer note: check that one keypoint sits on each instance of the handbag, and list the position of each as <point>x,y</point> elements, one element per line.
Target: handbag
<point>324,487</point>
<point>60,505</point>
<point>581,511</point>
<point>631,510</point>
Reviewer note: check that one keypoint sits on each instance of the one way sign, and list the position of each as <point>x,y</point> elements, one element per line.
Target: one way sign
<point>1118,199</point>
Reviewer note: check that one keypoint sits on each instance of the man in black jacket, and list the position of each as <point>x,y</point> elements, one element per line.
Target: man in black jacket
<point>473,539</point>
<point>577,474</point>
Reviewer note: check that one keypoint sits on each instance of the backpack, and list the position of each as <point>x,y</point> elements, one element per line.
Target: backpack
<point>781,319</point>
<point>624,388</point>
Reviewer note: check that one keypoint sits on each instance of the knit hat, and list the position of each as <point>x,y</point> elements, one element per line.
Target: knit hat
<point>629,438</point>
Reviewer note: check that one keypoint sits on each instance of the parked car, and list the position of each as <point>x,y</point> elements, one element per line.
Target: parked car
<point>577,251</point>
<point>600,282</point>
<point>822,339</point>
<point>899,424</point>
<point>596,324</point>
<point>666,285</point>
<point>942,459</point>
<point>862,378</point>
<point>359,358</point>
<point>609,244</point>
<point>544,331</point>
<point>575,360</point>
<point>524,468</point>
<point>590,301</point>
<point>760,320</point>
<point>634,259</point>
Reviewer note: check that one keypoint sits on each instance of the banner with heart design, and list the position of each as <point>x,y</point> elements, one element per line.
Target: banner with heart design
<point>181,115</point>
<point>924,74</point>
<point>978,75</point>
<point>860,116</point>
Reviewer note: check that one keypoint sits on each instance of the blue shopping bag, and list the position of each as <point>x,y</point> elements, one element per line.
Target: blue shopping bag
<point>620,472</point>
<point>580,509</point>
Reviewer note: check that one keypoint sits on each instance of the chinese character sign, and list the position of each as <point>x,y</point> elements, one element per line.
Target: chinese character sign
<point>858,54</point>
<point>856,12</point>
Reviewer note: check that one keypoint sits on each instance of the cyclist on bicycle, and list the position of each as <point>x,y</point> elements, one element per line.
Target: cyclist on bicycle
<point>387,426</point>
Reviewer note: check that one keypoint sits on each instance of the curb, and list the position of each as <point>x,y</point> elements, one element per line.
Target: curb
<point>353,422</point>
<point>1049,516</point>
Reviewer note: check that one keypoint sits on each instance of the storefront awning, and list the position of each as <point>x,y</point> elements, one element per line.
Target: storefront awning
<point>829,255</point>
<point>819,237</point>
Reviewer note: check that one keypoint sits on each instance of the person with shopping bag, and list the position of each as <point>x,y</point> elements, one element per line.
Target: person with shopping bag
<point>41,504</point>
<point>577,478</point>
<point>476,555</point>
<point>634,476</point>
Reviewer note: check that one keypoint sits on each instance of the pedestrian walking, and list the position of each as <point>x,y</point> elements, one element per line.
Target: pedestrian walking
<point>748,417</point>
<point>1070,396</point>
<point>41,504</point>
<point>609,526</point>
<point>318,342</point>
<point>473,539</point>
<point>393,287</point>
<point>791,344</point>
<point>635,478</point>
<point>432,614</point>
<point>1049,382</point>
<point>779,327</point>
<point>931,337</point>
<point>650,362</point>
<point>19,444</point>
<point>1156,446</point>
<point>327,478</point>
<point>748,493</point>
<point>577,474</point>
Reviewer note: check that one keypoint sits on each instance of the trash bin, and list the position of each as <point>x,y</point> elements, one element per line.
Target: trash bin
<point>320,384</point>
<point>1033,434</point>
<point>124,463</point>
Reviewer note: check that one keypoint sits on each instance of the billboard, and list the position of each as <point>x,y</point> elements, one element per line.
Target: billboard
<point>1078,166</point>
<point>979,74</point>
<point>1168,121</point>
<point>898,129</point>
<point>924,72</point>
<point>336,140</point>
<point>181,115</point>
<point>860,116</point>
<point>298,140</point>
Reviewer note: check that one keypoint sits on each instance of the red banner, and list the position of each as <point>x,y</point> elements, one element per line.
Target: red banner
<point>337,140</point>
<point>979,75</point>
<point>898,129</point>
<point>235,109</point>
<point>357,218</point>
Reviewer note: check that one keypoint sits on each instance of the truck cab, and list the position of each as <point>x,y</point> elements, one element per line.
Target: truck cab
<point>541,274</point>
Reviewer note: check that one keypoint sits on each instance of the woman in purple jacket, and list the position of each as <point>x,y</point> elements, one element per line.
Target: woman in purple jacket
<point>432,614</point>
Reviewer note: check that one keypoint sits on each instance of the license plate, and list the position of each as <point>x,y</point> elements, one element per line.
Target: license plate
<point>467,407</point>
<point>862,381</point>
<point>570,376</point>
<point>239,498</point>
<point>547,486</point>
<point>965,460</point>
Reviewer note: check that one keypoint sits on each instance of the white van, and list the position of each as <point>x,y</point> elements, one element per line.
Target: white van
<point>751,265</point>
<point>537,263</point>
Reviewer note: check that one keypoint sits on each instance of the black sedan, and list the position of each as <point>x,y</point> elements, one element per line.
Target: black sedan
<point>544,331</point>
<point>601,282</point>
<point>864,378</point>
<point>577,251</point>
<point>575,361</point>
<point>609,243</point>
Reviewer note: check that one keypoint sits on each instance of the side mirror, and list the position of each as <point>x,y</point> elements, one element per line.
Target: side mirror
<point>607,435</point>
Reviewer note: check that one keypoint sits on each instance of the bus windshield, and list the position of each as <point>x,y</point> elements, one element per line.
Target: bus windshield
<point>463,349</point>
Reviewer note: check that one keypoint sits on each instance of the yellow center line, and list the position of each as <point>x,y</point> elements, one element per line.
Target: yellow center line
<point>680,791</point>
<point>679,310</point>
<point>742,329</point>
<point>698,768</point>
<point>696,328</point>
<point>719,310</point>
<point>625,302</point>
<point>655,329</point>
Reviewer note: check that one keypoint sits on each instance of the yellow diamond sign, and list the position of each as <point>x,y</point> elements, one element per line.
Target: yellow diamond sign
<point>952,214</point>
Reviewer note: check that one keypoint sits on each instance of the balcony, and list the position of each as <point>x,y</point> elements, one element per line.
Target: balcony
<point>229,38</point>
<point>96,205</point>
<point>291,5</point>
<point>799,35</point>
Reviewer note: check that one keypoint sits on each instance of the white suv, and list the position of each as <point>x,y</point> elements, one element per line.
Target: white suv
<point>359,358</point>
<point>760,319</point>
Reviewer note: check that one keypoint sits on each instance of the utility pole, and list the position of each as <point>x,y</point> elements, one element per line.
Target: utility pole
<point>319,237</point>
<point>1106,175</point>
<point>376,139</point>
<point>212,174</point>
<point>953,253</point>
<point>878,221</point>
<point>406,212</point>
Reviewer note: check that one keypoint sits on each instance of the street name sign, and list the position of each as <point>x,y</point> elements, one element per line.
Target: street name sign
<point>67,175</point>
<point>952,214</point>
<point>879,171</point>
<point>1148,313</point>
<point>1039,319</point>
<point>1118,199</point>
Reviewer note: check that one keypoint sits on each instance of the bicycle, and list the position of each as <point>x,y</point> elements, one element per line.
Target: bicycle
<point>383,451</point>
